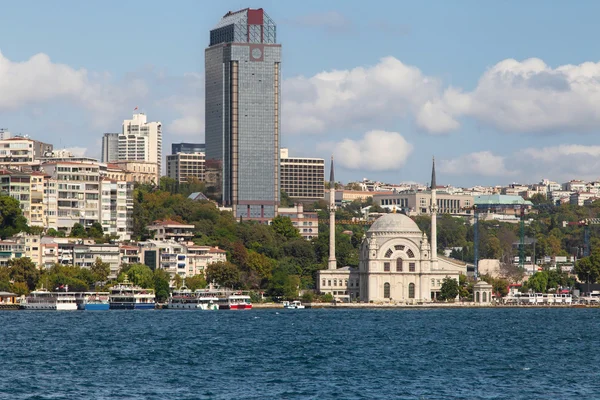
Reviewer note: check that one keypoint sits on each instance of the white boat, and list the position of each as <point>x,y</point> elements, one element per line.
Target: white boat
<point>42,299</point>
<point>185,299</point>
<point>294,305</point>
<point>127,296</point>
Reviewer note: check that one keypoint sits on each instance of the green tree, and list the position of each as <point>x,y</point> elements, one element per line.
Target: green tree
<point>100,270</point>
<point>260,264</point>
<point>24,270</point>
<point>285,200</point>
<point>538,282</point>
<point>588,268</point>
<point>284,227</point>
<point>138,274</point>
<point>195,282</point>
<point>54,233</point>
<point>95,231</point>
<point>161,284</point>
<point>78,231</point>
<point>284,286</point>
<point>224,273</point>
<point>449,289</point>
<point>12,220</point>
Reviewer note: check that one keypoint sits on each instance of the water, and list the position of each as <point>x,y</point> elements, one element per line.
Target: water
<point>300,354</point>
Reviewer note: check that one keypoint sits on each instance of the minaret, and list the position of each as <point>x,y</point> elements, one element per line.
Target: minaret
<point>434,209</point>
<point>332,263</point>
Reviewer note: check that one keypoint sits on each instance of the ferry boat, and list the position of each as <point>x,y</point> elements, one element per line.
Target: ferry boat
<point>236,301</point>
<point>294,305</point>
<point>127,296</point>
<point>93,301</point>
<point>42,299</point>
<point>185,299</point>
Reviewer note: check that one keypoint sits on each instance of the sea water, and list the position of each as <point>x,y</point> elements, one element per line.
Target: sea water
<point>301,354</point>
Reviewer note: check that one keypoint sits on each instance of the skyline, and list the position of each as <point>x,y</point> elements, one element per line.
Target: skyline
<point>498,93</point>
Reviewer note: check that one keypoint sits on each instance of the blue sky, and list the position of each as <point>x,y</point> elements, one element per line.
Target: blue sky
<point>499,92</point>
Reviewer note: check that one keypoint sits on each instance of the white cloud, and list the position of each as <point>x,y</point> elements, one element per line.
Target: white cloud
<point>359,97</point>
<point>483,163</point>
<point>375,151</point>
<point>39,80</point>
<point>562,162</point>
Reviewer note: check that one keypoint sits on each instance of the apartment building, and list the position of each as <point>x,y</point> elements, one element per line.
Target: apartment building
<point>141,140</point>
<point>171,230</point>
<point>21,151</point>
<point>184,167</point>
<point>117,208</point>
<point>307,223</point>
<point>136,171</point>
<point>29,189</point>
<point>302,178</point>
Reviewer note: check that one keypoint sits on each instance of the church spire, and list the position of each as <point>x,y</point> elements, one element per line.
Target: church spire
<point>433,184</point>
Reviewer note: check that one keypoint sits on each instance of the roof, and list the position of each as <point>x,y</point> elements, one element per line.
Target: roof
<point>169,222</point>
<point>197,196</point>
<point>394,223</point>
<point>216,250</point>
<point>501,199</point>
<point>7,294</point>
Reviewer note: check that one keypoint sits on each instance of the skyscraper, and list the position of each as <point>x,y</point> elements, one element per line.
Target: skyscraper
<point>243,76</point>
<point>110,147</point>
<point>141,141</point>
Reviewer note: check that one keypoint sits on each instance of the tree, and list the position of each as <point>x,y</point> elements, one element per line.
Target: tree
<point>284,227</point>
<point>54,233</point>
<point>95,231</point>
<point>195,282</point>
<point>449,289</point>
<point>161,285</point>
<point>138,274</point>
<point>100,270</point>
<point>285,200</point>
<point>12,220</point>
<point>224,273</point>
<point>284,286</point>
<point>23,270</point>
<point>78,231</point>
<point>538,282</point>
<point>588,268</point>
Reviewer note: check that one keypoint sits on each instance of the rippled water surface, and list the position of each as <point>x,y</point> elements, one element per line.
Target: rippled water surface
<point>297,354</point>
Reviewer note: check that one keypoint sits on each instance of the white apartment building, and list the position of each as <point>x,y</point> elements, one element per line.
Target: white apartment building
<point>302,178</point>
<point>141,141</point>
<point>19,151</point>
<point>574,186</point>
<point>116,212</point>
<point>185,166</point>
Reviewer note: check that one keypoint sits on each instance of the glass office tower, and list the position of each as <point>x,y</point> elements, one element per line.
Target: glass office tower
<point>243,76</point>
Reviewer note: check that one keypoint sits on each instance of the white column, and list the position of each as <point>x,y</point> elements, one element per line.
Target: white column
<point>434,209</point>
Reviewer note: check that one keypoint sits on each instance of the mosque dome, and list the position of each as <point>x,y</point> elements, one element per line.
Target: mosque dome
<point>391,223</point>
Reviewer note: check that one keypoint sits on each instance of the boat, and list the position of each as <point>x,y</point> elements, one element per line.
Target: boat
<point>42,299</point>
<point>294,305</point>
<point>127,296</point>
<point>93,301</point>
<point>236,301</point>
<point>184,299</point>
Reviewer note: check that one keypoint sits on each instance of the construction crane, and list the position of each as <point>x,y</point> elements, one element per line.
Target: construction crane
<point>586,223</point>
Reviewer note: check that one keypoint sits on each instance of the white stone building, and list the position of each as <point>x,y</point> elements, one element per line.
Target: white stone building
<point>141,140</point>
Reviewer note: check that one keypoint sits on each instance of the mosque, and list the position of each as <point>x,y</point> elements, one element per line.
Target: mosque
<point>397,262</point>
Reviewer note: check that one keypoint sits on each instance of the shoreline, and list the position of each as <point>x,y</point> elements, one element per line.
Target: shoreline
<point>419,306</point>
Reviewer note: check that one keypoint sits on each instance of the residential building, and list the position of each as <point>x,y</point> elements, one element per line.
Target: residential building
<point>138,171</point>
<point>29,189</point>
<point>184,167</point>
<point>110,147</point>
<point>141,140</point>
<point>117,208</point>
<point>419,203</point>
<point>580,198</point>
<point>171,230</point>
<point>10,249</point>
<point>85,256</point>
<point>302,178</point>
<point>242,114</point>
<point>307,223</point>
<point>188,148</point>
<point>4,134</point>
<point>20,151</point>
<point>343,196</point>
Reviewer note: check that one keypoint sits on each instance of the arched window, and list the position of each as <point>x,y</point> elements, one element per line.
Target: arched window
<point>335,282</point>
<point>477,297</point>
<point>411,290</point>
<point>484,297</point>
<point>398,264</point>
<point>386,290</point>
<point>323,282</point>
<point>388,253</point>
<point>410,253</point>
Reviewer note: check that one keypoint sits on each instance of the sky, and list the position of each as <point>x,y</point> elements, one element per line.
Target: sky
<point>497,92</point>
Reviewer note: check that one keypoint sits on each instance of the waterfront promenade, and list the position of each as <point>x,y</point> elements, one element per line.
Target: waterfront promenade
<point>423,305</point>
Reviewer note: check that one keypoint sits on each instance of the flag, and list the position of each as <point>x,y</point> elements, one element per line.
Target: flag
<point>135,109</point>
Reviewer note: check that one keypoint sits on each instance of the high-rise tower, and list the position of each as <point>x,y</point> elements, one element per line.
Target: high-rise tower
<point>242,113</point>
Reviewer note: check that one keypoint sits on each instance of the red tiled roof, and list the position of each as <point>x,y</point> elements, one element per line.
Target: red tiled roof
<point>216,250</point>
<point>168,222</point>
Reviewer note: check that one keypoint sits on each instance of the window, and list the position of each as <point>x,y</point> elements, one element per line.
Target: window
<point>335,282</point>
<point>386,290</point>
<point>484,297</point>
<point>388,253</point>
<point>411,267</point>
<point>399,247</point>
<point>386,267</point>
<point>410,253</point>
<point>411,290</point>
<point>398,265</point>
<point>432,282</point>
<point>329,282</point>
<point>323,282</point>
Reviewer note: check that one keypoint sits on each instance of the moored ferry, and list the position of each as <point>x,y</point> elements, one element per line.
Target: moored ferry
<point>185,299</point>
<point>93,301</point>
<point>236,301</point>
<point>42,299</point>
<point>127,296</point>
